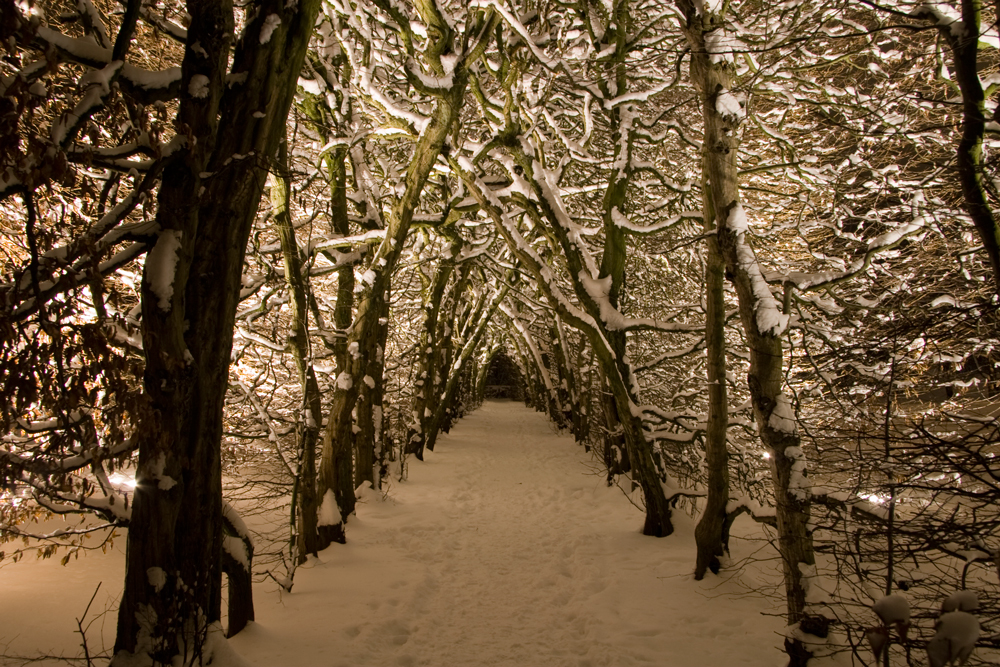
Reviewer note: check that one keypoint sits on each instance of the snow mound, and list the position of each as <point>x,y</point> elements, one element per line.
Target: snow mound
<point>956,636</point>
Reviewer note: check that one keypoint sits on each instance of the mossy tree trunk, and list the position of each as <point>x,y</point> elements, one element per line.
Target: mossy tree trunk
<point>428,352</point>
<point>335,484</point>
<point>448,333</point>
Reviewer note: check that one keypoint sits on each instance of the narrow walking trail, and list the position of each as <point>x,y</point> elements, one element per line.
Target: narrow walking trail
<point>506,548</point>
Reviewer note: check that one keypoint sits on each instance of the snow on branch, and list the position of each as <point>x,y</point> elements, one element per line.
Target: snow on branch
<point>111,504</point>
<point>770,319</point>
<point>237,541</point>
<point>623,222</point>
<point>628,98</point>
<point>824,279</point>
<point>429,85</point>
<point>163,24</point>
<point>697,346</point>
<point>599,288</point>
<point>157,85</point>
<point>944,17</point>
<point>97,86</point>
<point>492,207</point>
<point>521,31</point>
<point>30,462</point>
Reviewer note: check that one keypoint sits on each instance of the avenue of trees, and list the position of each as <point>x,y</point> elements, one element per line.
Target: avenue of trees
<point>263,254</point>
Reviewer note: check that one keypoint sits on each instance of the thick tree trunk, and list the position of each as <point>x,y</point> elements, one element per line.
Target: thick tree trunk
<point>206,209</point>
<point>173,573</point>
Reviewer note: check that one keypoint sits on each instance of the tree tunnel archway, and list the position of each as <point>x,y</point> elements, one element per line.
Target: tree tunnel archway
<point>504,380</point>
<point>528,229</point>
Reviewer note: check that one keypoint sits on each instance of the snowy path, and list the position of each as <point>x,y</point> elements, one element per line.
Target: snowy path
<point>505,548</point>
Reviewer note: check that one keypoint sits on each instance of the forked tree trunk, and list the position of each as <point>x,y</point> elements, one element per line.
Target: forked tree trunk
<point>206,208</point>
<point>173,573</point>
<point>763,324</point>
<point>338,437</point>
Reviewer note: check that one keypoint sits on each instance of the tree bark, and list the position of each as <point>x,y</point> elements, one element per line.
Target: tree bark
<point>762,321</point>
<point>964,46</point>
<point>339,431</point>
<point>370,441</point>
<point>427,355</point>
<point>447,328</point>
<point>237,564</point>
<point>207,204</point>
<point>173,572</point>
<point>308,427</point>
<point>710,531</point>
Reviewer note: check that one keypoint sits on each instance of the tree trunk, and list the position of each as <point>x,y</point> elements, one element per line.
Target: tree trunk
<point>446,337</point>
<point>173,573</point>
<point>237,564</point>
<point>562,375</point>
<point>584,363</point>
<point>339,432</point>
<point>965,52</point>
<point>308,427</point>
<point>763,325</point>
<point>205,213</point>
<point>709,533</point>
<point>427,355</point>
<point>370,441</point>
<point>615,453</point>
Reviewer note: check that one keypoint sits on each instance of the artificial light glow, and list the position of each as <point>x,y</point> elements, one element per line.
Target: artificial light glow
<point>119,479</point>
<point>875,498</point>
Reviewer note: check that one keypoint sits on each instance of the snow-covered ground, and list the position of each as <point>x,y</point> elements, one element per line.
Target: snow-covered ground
<point>505,547</point>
